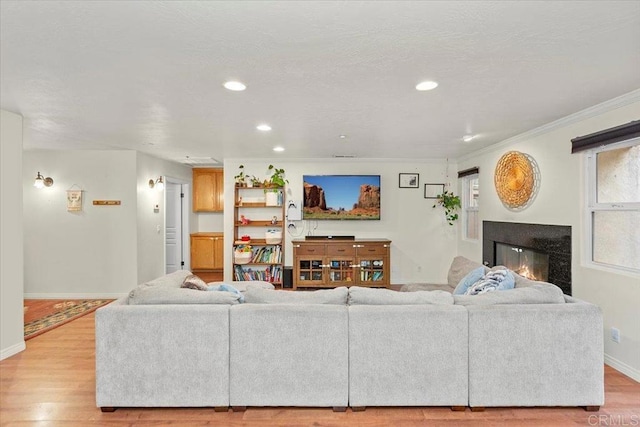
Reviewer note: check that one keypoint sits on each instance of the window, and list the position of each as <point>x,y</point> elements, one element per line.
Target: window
<point>613,207</point>
<point>471,222</point>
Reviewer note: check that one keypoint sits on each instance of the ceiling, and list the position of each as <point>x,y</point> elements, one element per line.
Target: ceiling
<point>148,76</point>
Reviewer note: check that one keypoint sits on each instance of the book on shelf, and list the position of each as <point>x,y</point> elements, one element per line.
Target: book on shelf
<point>272,273</point>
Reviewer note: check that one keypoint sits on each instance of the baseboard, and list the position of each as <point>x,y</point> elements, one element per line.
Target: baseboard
<point>629,371</point>
<point>14,349</point>
<point>38,295</point>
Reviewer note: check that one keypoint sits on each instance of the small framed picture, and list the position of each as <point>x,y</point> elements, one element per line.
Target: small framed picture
<point>409,180</point>
<point>431,191</point>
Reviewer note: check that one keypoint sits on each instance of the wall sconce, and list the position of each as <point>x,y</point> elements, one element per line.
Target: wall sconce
<point>42,182</point>
<point>158,184</point>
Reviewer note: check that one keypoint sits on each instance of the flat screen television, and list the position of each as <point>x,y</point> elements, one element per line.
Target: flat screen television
<point>341,197</point>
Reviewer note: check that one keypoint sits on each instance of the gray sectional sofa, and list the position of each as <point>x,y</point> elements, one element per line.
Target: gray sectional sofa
<point>163,346</point>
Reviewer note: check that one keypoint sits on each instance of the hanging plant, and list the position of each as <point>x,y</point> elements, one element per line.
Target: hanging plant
<point>450,203</point>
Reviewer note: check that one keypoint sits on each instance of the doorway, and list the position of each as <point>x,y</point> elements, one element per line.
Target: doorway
<point>177,202</point>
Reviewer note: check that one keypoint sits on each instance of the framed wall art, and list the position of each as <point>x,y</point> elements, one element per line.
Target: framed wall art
<point>409,180</point>
<point>431,191</point>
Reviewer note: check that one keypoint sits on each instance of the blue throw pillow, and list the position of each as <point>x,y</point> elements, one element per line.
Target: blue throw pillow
<point>227,288</point>
<point>472,277</point>
<point>495,280</point>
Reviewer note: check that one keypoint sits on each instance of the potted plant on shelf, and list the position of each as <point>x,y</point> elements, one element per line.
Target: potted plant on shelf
<point>254,182</point>
<point>277,177</point>
<point>240,177</point>
<point>451,203</point>
<point>273,196</point>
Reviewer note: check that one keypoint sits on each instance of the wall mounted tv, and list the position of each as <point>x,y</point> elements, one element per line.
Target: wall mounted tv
<point>341,197</point>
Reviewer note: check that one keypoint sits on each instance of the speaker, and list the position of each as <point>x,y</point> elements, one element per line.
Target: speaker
<point>287,278</point>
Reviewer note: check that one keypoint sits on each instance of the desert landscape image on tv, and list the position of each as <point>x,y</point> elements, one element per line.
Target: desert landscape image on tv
<point>341,197</point>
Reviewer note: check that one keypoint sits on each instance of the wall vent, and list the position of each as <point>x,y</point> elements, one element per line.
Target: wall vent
<point>200,161</point>
<point>344,156</point>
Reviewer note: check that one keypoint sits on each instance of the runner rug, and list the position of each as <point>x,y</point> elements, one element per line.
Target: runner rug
<point>44,315</point>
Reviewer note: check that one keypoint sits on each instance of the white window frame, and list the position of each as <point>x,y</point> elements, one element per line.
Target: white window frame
<point>592,206</point>
<point>466,191</point>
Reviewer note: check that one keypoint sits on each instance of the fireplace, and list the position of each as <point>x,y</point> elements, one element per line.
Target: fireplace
<point>537,251</point>
<point>526,262</point>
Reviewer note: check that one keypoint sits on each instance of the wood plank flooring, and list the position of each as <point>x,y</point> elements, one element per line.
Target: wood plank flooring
<point>52,383</point>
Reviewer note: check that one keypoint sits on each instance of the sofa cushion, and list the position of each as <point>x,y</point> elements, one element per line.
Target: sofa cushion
<point>194,282</point>
<point>460,267</point>
<point>337,296</point>
<point>413,287</point>
<point>542,293</point>
<point>242,286</point>
<point>368,296</point>
<point>472,277</point>
<point>145,295</point>
<point>171,280</point>
<point>495,280</point>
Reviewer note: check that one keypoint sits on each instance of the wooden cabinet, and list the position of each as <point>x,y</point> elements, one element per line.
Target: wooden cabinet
<point>207,252</point>
<point>331,263</point>
<point>256,216</point>
<point>208,190</point>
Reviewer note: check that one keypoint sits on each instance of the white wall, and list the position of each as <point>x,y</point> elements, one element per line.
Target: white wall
<point>11,243</point>
<point>103,251</point>
<point>561,200</point>
<point>92,253</point>
<point>151,240</point>
<point>422,242</point>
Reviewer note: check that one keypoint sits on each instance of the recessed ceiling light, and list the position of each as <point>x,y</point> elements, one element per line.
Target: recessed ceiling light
<point>235,86</point>
<point>468,138</point>
<point>428,85</point>
<point>263,127</point>
<point>343,136</point>
<point>278,148</point>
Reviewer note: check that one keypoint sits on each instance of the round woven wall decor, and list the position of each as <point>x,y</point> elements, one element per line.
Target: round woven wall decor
<point>517,179</point>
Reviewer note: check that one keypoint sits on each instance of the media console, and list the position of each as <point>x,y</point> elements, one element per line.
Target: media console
<point>329,262</point>
<point>330,237</point>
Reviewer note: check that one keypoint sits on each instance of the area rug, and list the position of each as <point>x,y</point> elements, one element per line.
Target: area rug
<point>44,315</point>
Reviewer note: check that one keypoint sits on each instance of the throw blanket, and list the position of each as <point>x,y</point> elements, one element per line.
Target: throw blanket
<point>227,288</point>
<point>492,281</point>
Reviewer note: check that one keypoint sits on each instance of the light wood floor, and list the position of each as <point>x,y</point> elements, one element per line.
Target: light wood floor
<point>52,383</point>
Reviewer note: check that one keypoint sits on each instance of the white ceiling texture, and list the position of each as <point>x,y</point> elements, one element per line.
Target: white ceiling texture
<point>148,75</point>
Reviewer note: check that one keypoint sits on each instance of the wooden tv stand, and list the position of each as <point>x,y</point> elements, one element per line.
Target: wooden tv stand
<point>329,263</point>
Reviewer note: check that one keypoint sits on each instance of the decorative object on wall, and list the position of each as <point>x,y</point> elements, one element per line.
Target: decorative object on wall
<point>158,184</point>
<point>433,191</point>
<point>106,202</point>
<point>42,182</point>
<point>409,180</point>
<point>74,199</point>
<point>517,180</point>
<point>451,203</point>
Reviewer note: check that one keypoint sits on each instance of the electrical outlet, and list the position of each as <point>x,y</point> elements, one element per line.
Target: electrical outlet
<point>615,334</point>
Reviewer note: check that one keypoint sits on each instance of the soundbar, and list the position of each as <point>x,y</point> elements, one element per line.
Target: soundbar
<point>330,237</point>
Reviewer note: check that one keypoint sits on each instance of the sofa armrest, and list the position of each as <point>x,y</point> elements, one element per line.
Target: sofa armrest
<point>162,355</point>
<point>536,355</point>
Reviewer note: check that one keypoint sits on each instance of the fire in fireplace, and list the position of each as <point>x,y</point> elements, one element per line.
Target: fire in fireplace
<point>526,262</point>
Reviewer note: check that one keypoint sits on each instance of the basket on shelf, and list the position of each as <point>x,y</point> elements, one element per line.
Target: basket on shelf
<point>241,257</point>
<point>273,237</point>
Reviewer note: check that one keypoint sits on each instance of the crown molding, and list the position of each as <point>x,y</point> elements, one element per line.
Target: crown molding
<point>587,113</point>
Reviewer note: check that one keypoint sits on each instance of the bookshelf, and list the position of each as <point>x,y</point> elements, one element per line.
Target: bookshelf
<point>259,214</point>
